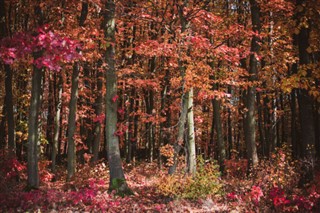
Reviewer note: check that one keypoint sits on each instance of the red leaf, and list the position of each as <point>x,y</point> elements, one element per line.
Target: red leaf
<point>115,98</point>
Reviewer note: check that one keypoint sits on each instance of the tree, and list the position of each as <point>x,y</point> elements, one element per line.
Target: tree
<point>249,120</point>
<point>186,111</point>
<point>99,114</point>
<point>73,105</point>
<point>117,178</point>
<point>33,121</point>
<point>8,84</point>
<point>305,101</point>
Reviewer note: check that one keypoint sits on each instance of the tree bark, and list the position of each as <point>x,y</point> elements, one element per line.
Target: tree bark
<point>3,126</point>
<point>165,112</point>
<point>98,112</point>
<point>294,141</point>
<point>192,161</point>
<point>33,135</point>
<point>305,101</point>
<point>131,138</point>
<point>57,119</point>
<point>71,158</point>
<point>249,120</point>
<point>117,178</point>
<point>260,127</point>
<point>50,116</point>
<point>185,95</point>
<point>218,126</point>
<point>9,107</point>
<point>8,85</point>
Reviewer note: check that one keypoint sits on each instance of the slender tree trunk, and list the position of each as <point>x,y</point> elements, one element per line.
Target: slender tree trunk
<point>86,129</point>
<point>184,98</point>
<point>33,135</point>
<point>165,112</point>
<point>273,128</point>
<point>260,126</point>
<point>3,126</point>
<point>50,116</point>
<point>117,178</point>
<point>8,85</point>
<point>9,107</point>
<point>294,141</point>
<point>212,144</point>
<point>218,126</point>
<point>180,138</point>
<point>317,127</point>
<point>191,135</point>
<point>230,136</point>
<point>249,120</point>
<point>135,130</point>
<point>98,112</point>
<point>73,106</point>
<point>131,138</point>
<point>149,125</point>
<point>150,108</point>
<point>284,138</point>
<point>305,101</point>
<point>72,122</point>
<point>221,148</point>
<point>57,119</point>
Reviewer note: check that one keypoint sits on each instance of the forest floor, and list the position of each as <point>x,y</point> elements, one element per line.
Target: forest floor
<point>89,193</point>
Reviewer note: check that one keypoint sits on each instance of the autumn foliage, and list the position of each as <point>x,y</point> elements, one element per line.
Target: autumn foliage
<point>160,106</point>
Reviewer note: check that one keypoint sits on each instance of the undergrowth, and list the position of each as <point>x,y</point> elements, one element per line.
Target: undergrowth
<point>271,187</point>
<point>206,181</point>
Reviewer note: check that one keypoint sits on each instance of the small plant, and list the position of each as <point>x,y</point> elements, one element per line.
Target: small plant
<point>205,182</point>
<point>279,171</point>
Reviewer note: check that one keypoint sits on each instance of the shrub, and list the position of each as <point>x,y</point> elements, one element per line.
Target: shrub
<point>180,185</point>
<point>279,171</point>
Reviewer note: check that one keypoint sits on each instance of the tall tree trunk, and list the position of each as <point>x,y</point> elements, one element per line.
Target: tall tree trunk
<point>294,141</point>
<point>229,122</point>
<point>57,119</point>
<point>273,128</point>
<point>191,135</point>
<point>184,98</point>
<point>98,112</point>
<point>33,135</point>
<point>305,101</point>
<point>149,125</point>
<point>73,106</point>
<point>165,112</point>
<point>216,104</point>
<point>84,104</point>
<point>117,178</point>
<point>9,107</point>
<point>131,138</point>
<point>260,127</point>
<point>180,138</point>
<point>50,116</point>
<point>249,120</point>
<point>284,138</point>
<point>212,142</point>
<point>3,127</point>
<point>8,85</point>
<point>72,122</point>
<point>33,121</point>
<point>317,127</point>
<point>150,109</point>
<point>218,126</point>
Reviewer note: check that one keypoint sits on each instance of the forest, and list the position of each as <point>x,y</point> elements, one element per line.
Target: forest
<point>159,106</point>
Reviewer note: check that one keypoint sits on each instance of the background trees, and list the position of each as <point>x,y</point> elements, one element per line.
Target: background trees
<point>217,79</point>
